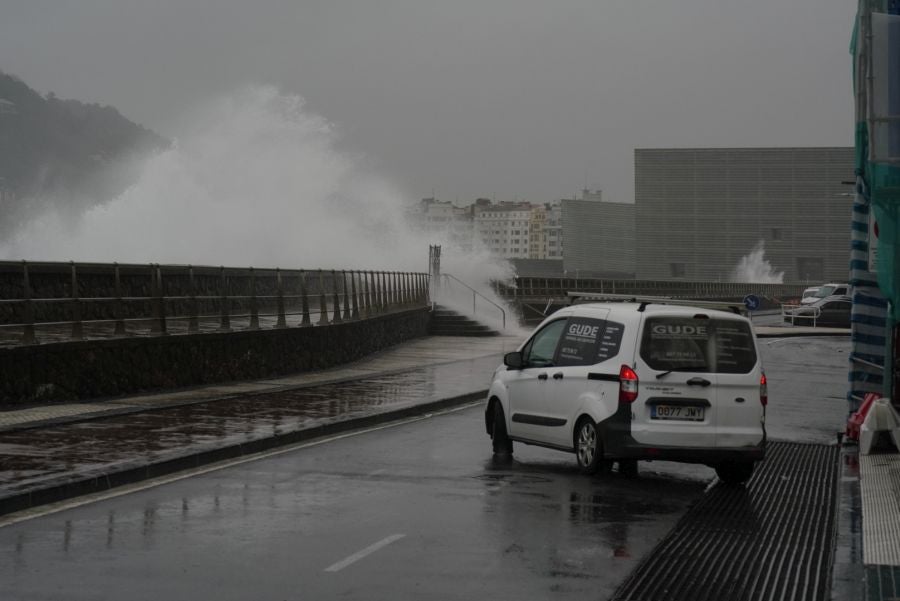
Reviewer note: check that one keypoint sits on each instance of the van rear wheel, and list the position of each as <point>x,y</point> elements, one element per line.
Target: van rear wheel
<point>735,472</point>
<point>588,448</point>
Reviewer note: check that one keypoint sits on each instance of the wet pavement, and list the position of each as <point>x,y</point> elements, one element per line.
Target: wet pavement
<point>56,452</point>
<point>414,511</point>
<point>43,447</point>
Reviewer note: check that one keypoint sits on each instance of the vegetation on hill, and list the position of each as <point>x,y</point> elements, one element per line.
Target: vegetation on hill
<point>63,154</point>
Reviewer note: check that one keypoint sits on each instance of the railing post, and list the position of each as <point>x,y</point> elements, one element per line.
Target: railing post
<point>279,300</point>
<point>335,298</point>
<point>254,306</point>
<point>407,288</point>
<point>346,295</point>
<point>194,316</point>
<point>117,308</point>
<point>304,300</point>
<point>225,317</point>
<point>379,305</point>
<point>77,327</point>
<point>385,296</point>
<point>367,293</point>
<point>353,293</point>
<point>28,336</point>
<point>159,310</point>
<point>323,306</point>
<point>395,289</point>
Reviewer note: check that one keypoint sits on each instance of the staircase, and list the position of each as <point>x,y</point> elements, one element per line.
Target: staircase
<point>446,322</point>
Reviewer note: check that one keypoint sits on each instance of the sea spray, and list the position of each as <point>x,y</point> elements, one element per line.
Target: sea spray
<point>754,268</point>
<point>258,180</point>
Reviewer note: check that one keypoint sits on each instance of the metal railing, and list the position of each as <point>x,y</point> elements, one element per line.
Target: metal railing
<point>52,302</point>
<point>450,281</point>
<point>792,312</point>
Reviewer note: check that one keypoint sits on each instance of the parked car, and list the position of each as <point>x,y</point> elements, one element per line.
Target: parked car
<point>635,381</point>
<point>825,291</point>
<point>831,312</point>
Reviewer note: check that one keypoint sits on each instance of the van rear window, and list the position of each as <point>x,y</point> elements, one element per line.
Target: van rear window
<point>703,345</point>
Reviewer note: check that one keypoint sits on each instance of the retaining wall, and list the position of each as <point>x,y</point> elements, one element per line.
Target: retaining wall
<point>98,368</point>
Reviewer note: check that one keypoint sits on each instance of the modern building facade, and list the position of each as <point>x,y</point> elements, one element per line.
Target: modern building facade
<point>699,212</point>
<point>599,237</point>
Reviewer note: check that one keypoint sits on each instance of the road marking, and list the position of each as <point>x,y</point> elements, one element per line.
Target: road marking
<point>50,508</point>
<point>336,567</point>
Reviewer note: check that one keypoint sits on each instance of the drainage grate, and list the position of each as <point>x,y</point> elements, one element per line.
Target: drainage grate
<point>769,540</point>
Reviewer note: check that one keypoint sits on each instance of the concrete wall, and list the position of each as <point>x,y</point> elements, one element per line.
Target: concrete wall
<point>100,368</point>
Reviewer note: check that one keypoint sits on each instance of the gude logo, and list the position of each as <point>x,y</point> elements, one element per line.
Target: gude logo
<point>583,330</point>
<point>679,330</point>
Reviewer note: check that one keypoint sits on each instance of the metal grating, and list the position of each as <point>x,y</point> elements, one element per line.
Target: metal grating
<point>879,483</point>
<point>772,539</point>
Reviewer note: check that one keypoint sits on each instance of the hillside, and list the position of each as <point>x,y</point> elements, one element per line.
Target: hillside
<point>64,154</point>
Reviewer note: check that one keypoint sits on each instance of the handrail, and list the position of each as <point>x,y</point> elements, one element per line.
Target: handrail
<point>789,310</point>
<point>47,298</point>
<point>474,293</point>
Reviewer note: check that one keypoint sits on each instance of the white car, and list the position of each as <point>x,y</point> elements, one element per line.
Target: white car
<point>824,291</point>
<point>629,381</point>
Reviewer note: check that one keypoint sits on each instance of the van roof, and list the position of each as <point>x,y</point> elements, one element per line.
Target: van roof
<point>652,309</point>
<point>642,303</point>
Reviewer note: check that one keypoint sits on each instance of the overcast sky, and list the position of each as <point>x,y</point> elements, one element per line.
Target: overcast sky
<point>500,98</point>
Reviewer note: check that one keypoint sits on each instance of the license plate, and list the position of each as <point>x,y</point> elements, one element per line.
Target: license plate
<point>677,412</point>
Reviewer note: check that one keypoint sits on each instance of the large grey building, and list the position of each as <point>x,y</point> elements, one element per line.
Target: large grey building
<point>700,211</point>
<point>599,237</point>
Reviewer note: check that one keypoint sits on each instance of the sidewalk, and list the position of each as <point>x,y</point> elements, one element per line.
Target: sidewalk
<point>50,453</point>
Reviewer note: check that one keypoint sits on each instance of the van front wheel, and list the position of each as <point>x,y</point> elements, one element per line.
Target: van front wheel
<point>499,437</point>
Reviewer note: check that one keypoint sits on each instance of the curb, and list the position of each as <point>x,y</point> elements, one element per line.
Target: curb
<point>845,334</point>
<point>130,475</point>
<point>848,573</point>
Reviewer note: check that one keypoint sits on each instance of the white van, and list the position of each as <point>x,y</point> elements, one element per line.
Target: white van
<point>635,381</point>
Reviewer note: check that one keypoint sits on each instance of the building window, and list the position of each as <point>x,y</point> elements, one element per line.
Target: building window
<point>777,233</point>
<point>677,270</point>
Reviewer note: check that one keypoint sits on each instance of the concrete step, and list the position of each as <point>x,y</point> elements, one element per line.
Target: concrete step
<point>447,322</point>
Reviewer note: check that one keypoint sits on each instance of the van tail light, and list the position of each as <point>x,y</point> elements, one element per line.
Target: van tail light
<point>628,385</point>
<point>763,390</point>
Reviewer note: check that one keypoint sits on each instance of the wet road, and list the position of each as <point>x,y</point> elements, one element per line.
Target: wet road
<point>418,510</point>
<point>451,524</point>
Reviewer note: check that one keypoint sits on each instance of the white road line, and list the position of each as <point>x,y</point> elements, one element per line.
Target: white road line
<point>336,567</point>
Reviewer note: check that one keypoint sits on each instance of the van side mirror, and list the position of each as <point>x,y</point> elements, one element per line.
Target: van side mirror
<point>513,360</point>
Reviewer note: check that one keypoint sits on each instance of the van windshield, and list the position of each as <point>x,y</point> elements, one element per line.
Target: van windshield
<point>703,345</point>
<point>825,291</point>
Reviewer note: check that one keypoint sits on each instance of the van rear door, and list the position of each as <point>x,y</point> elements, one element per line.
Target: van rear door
<point>676,404</point>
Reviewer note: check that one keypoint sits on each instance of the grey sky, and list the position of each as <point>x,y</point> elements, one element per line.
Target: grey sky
<point>508,99</point>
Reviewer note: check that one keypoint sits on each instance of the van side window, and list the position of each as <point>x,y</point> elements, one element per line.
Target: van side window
<point>580,341</point>
<point>541,349</point>
<point>610,341</point>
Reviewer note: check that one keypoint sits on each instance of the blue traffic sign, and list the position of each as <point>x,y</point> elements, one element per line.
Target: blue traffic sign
<point>751,301</point>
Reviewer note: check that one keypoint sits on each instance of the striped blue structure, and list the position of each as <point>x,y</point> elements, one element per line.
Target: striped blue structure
<point>869,312</point>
